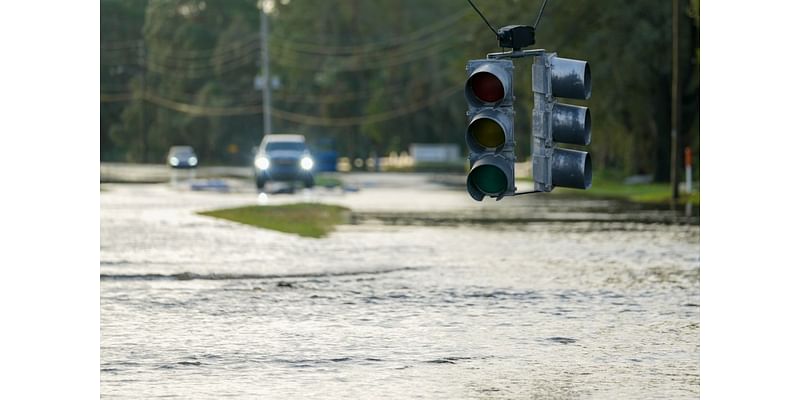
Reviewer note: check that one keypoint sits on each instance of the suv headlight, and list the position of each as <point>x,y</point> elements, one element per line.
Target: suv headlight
<point>192,161</point>
<point>262,162</point>
<point>306,163</point>
<point>173,161</point>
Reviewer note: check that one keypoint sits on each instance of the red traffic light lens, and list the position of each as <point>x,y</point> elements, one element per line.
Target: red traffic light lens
<point>487,87</point>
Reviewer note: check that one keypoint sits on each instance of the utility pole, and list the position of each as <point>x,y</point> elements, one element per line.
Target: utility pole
<point>265,90</point>
<point>143,99</point>
<point>676,97</point>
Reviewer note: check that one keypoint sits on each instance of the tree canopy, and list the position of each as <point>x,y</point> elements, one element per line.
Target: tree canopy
<point>372,76</point>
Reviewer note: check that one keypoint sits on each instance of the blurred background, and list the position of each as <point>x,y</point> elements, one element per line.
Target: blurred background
<point>366,81</point>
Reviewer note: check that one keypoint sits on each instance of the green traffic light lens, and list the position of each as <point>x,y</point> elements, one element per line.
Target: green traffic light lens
<point>489,179</point>
<point>487,133</point>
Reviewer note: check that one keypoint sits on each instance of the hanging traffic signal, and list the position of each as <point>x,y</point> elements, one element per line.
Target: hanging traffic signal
<point>490,128</point>
<point>554,122</point>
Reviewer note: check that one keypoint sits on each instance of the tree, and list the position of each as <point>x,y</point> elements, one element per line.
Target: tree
<point>377,75</point>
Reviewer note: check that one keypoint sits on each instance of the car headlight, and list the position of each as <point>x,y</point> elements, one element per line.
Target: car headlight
<point>192,161</point>
<point>306,163</point>
<point>173,161</point>
<point>262,163</point>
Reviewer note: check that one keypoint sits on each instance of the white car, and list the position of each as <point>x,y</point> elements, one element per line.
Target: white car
<point>181,157</point>
<point>283,158</point>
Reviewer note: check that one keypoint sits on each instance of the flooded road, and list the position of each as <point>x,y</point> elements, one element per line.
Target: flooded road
<point>195,307</point>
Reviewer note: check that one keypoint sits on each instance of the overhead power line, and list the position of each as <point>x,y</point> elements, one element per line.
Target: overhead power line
<point>216,111</point>
<point>113,46</point>
<point>196,73</point>
<point>219,51</point>
<point>304,96</point>
<point>367,119</point>
<point>330,96</point>
<point>356,64</point>
<point>116,97</point>
<point>223,57</point>
<point>208,66</point>
<point>351,64</point>
<point>421,35</point>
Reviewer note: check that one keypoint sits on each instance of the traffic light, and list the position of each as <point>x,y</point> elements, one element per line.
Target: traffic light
<point>554,122</point>
<point>490,128</point>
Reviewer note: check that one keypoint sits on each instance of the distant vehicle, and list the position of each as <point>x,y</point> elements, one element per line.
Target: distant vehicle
<point>325,155</point>
<point>283,158</point>
<point>181,157</point>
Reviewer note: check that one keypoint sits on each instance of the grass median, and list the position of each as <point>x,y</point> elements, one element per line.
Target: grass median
<point>305,219</point>
<point>609,185</point>
<point>653,193</point>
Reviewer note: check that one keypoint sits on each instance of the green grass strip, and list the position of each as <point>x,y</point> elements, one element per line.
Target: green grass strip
<point>305,219</point>
<point>605,186</point>
<point>656,193</point>
<point>327,181</point>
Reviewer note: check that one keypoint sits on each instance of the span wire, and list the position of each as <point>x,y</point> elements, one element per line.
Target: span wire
<point>214,111</point>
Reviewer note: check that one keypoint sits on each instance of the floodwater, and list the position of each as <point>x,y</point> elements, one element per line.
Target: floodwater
<point>195,307</point>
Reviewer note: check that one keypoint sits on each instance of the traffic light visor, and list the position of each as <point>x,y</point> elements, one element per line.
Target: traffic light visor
<point>572,124</point>
<point>572,169</point>
<point>489,179</point>
<point>571,78</point>
<point>486,87</point>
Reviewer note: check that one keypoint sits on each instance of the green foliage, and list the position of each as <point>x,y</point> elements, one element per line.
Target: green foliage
<point>629,46</point>
<point>121,30</point>
<point>377,75</point>
<point>304,219</point>
<point>439,167</point>
<point>327,180</point>
<point>611,185</point>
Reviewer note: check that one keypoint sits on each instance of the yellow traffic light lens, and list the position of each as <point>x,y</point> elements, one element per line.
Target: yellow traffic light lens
<point>489,179</point>
<point>487,133</point>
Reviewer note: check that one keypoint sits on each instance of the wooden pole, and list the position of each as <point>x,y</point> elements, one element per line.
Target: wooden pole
<point>676,97</point>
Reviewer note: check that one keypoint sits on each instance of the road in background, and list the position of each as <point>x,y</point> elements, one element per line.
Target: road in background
<point>416,198</point>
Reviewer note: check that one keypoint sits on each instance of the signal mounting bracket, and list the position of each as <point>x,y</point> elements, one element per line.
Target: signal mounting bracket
<point>516,36</point>
<point>515,54</point>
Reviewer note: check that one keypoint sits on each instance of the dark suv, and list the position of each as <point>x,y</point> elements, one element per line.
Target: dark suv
<point>283,158</point>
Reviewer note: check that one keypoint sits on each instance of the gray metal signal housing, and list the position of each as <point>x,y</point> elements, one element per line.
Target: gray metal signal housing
<point>561,123</point>
<point>500,112</point>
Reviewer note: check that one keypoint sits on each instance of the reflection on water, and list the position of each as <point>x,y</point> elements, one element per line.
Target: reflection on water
<point>179,177</point>
<point>195,307</point>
